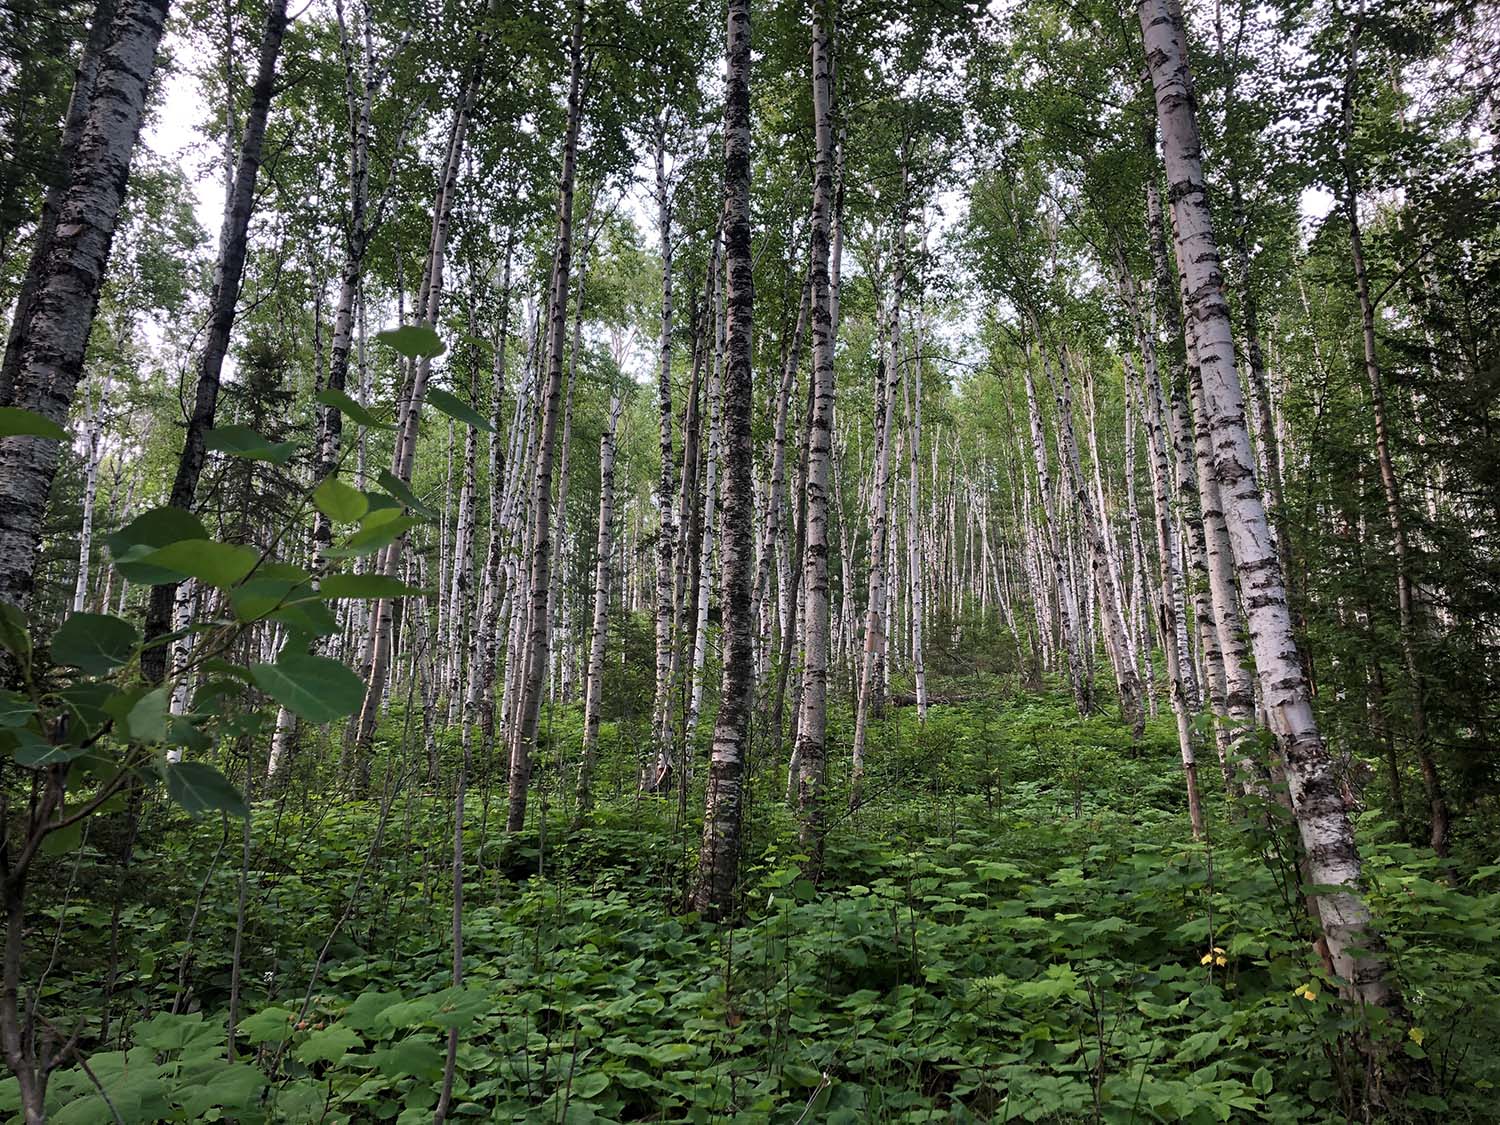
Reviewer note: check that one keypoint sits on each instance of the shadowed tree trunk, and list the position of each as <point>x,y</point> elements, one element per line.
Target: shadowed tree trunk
<point>49,360</point>
<point>593,692</point>
<point>719,856</point>
<point>78,108</point>
<point>1437,803</point>
<point>534,654</point>
<point>234,244</point>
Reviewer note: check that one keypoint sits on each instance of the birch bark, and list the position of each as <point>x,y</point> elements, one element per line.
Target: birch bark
<point>718,857</point>
<point>529,710</point>
<point>812,723</point>
<point>1353,941</point>
<point>50,356</point>
<point>593,692</point>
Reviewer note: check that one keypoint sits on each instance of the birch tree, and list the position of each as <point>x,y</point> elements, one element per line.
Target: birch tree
<point>1333,858</point>
<point>719,854</point>
<point>50,355</point>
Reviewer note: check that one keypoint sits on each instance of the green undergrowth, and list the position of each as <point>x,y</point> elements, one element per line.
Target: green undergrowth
<point>1017,926</point>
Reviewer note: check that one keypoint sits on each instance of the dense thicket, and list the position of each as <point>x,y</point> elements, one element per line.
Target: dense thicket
<point>778,561</point>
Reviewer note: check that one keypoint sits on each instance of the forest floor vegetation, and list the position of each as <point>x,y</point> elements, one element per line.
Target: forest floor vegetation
<point>1015,926</point>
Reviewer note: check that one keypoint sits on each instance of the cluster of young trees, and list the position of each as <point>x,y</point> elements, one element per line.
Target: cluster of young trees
<point>889,328</point>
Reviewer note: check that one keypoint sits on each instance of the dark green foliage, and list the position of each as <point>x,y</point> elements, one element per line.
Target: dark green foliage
<point>1015,927</point>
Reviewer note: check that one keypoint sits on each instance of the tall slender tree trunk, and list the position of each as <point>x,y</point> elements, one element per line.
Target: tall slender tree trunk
<point>666,546</point>
<point>94,439</point>
<point>911,390</point>
<point>460,577</point>
<point>812,722</point>
<point>1179,431</point>
<point>234,244</point>
<point>705,557</point>
<point>50,353</point>
<point>409,416</point>
<point>529,710</point>
<point>1069,621</point>
<point>773,618</point>
<point>888,377</point>
<point>1409,626</point>
<point>1145,386</point>
<point>1095,529</point>
<point>1353,941</point>
<point>719,855</point>
<point>593,692</point>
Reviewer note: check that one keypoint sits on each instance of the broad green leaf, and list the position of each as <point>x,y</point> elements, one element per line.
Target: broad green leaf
<point>15,710</point>
<point>15,422</point>
<point>311,687</point>
<point>415,341</point>
<point>413,1012</point>
<point>351,409</point>
<point>199,788</point>
<point>258,596</point>
<point>232,1086</point>
<point>457,409</point>
<point>167,1032</point>
<point>97,643</point>
<point>328,1045</point>
<point>210,694</point>
<point>147,721</point>
<point>340,502</point>
<point>590,1085</point>
<point>90,705</point>
<point>366,1009</point>
<point>381,515</point>
<point>367,586</point>
<point>380,502</point>
<point>210,562</point>
<point>33,751</point>
<point>308,618</point>
<point>401,491</point>
<point>14,635</point>
<point>413,1056</point>
<point>1261,1081</point>
<point>181,731</point>
<point>269,1025</point>
<point>369,540</point>
<point>243,442</point>
<point>459,1007</point>
<point>145,533</point>
<point>63,840</point>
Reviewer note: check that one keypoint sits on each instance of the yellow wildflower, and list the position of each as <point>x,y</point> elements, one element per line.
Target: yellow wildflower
<point>1416,1035</point>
